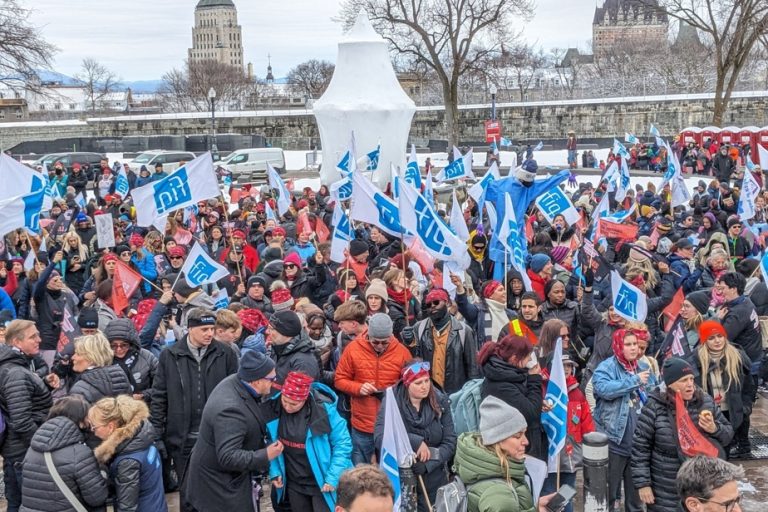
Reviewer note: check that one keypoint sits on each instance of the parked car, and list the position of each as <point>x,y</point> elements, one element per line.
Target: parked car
<point>91,160</point>
<point>250,165</point>
<point>169,159</point>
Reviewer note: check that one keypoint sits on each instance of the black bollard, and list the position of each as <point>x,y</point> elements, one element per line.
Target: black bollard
<point>408,497</point>
<point>595,452</point>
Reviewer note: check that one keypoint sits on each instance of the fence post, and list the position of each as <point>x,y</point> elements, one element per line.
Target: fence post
<point>408,496</point>
<point>595,454</point>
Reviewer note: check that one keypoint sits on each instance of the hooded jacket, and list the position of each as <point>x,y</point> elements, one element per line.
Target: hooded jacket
<point>139,365</point>
<point>97,383</point>
<point>479,467</point>
<point>523,392</point>
<point>298,355</point>
<point>134,466</point>
<point>656,455</point>
<point>75,463</point>
<point>743,327</point>
<point>25,400</point>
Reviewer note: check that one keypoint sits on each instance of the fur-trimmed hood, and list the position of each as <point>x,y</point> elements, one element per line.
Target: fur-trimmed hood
<point>137,430</point>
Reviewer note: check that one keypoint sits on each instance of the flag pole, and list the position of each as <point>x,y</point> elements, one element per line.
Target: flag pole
<point>407,301</point>
<point>558,469</point>
<point>426,495</point>
<point>231,239</point>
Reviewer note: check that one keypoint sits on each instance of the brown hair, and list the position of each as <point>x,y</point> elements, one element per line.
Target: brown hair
<point>550,331</point>
<point>362,479</point>
<point>227,319</point>
<point>432,396</point>
<point>355,310</point>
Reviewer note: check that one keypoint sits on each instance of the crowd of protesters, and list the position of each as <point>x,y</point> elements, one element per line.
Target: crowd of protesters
<point>285,382</point>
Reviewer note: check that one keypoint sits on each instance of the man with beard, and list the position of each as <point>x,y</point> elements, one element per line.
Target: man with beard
<point>448,344</point>
<point>291,346</point>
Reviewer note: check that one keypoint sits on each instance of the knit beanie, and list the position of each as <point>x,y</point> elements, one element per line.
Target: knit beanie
<point>292,259</point>
<point>251,319</point>
<point>699,300</point>
<point>377,287</point>
<point>297,386</point>
<point>286,323</point>
<point>88,318</point>
<point>675,369</point>
<point>357,247</point>
<point>380,326</point>
<point>559,253</point>
<point>282,300</point>
<point>257,279</point>
<point>499,420</point>
<point>538,262</point>
<point>709,328</point>
<point>254,366</point>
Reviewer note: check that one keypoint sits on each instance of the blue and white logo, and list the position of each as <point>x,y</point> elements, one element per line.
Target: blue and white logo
<point>172,191</point>
<point>389,215</point>
<point>200,271</point>
<point>413,174</point>
<point>121,185</point>
<point>429,230</point>
<point>373,159</point>
<point>454,170</point>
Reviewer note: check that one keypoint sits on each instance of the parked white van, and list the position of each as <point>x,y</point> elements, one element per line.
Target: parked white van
<point>251,164</point>
<point>169,159</point>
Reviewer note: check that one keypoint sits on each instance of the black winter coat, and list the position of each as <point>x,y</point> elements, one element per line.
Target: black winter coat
<point>50,310</point>
<point>73,460</point>
<point>98,383</point>
<point>739,394</point>
<point>78,180</point>
<point>460,356</point>
<point>523,392</point>
<point>25,400</point>
<point>743,327</point>
<point>171,405</point>
<point>229,448</point>
<point>298,355</point>
<point>656,456</point>
<point>140,367</point>
<point>723,167</point>
<point>424,426</point>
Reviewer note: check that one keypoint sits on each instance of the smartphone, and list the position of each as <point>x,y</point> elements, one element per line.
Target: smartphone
<point>563,496</point>
<point>532,362</point>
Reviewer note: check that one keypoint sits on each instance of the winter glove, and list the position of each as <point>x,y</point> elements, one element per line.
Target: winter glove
<point>161,449</point>
<point>589,278</point>
<point>407,335</point>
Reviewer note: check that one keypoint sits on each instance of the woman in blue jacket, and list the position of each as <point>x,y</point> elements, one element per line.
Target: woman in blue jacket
<point>317,446</point>
<point>621,384</point>
<point>144,262</point>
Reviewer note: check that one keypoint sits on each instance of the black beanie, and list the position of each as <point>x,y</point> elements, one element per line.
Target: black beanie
<point>286,323</point>
<point>699,300</point>
<point>182,287</point>
<point>254,366</point>
<point>675,369</point>
<point>88,318</point>
<point>357,247</point>
<point>257,279</point>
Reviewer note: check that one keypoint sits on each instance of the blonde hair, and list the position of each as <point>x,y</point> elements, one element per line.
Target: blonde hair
<point>127,414</point>
<point>95,348</point>
<point>227,319</point>
<point>16,329</point>
<point>82,250</point>
<point>732,368</point>
<point>503,460</point>
<point>633,269</point>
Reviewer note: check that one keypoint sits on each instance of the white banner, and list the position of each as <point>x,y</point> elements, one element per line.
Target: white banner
<point>105,232</point>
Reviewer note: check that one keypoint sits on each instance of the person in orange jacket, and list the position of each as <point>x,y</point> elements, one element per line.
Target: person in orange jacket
<point>368,366</point>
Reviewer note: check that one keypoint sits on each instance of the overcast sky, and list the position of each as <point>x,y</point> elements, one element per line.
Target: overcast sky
<point>142,39</point>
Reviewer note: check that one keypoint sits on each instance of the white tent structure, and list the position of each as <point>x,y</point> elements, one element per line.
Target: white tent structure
<point>364,97</point>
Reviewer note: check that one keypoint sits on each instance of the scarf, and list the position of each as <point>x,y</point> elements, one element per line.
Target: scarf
<point>495,319</point>
<point>618,351</point>
<point>400,297</point>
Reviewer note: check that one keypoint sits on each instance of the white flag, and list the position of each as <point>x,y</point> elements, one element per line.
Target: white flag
<point>372,206</point>
<point>105,231</point>
<point>555,421</point>
<point>629,301</point>
<point>199,268</point>
<point>749,192</point>
<point>555,202</point>
<point>514,242</point>
<point>458,223</point>
<point>396,448</point>
<point>195,181</point>
<point>276,182</point>
<point>342,234</point>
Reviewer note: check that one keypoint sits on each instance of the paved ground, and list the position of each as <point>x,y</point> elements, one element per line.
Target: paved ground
<point>755,486</point>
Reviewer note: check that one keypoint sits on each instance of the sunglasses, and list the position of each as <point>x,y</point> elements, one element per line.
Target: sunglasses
<point>177,258</point>
<point>289,265</point>
<point>421,366</point>
<point>478,247</point>
<point>435,303</point>
<point>119,346</point>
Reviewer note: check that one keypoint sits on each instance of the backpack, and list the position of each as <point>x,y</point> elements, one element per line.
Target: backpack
<point>465,407</point>
<point>454,496</point>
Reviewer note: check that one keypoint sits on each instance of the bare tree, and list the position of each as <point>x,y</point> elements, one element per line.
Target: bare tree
<point>97,81</point>
<point>523,62</point>
<point>311,77</point>
<point>187,89</point>
<point>451,36</point>
<point>733,28</point>
<point>22,50</point>
<point>573,68</point>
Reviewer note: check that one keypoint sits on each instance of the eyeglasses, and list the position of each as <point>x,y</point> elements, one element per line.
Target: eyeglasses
<point>270,379</point>
<point>289,266</point>
<point>177,258</point>
<point>435,303</point>
<point>737,226</point>
<point>120,346</point>
<point>94,427</point>
<point>478,247</point>
<point>728,505</point>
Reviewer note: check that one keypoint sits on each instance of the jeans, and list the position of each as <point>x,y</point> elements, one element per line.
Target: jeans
<point>550,485</point>
<point>12,479</point>
<point>619,472</point>
<point>362,447</point>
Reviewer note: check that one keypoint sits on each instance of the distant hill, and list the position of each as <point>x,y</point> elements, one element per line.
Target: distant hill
<point>137,86</point>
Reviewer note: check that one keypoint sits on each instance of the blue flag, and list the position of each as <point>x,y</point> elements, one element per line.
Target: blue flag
<point>654,131</point>
<point>629,302</point>
<point>343,233</point>
<point>121,184</point>
<point>199,268</point>
<point>396,448</point>
<point>539,146</point>
<point>373,159</point>
<point>555,421</point>
<point>505,142</point>
<point>412,171</point>
<point>372,206</point>
<point>628,137</point>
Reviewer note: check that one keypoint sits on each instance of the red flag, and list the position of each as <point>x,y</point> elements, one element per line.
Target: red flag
<point>620,231</point>
<point>289,185</point>
<point>673,309</point>
<point>420,254</point>
<point>692,442</point>
<point>306,228</point>
<point>323,233</point>
<point>124,283</point>
<point>529,230</point>
<point>234,196</point>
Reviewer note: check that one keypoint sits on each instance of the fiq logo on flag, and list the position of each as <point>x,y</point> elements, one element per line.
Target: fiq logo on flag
<point>172,191</point>
<point>200,271</point>
<point>454,170</point>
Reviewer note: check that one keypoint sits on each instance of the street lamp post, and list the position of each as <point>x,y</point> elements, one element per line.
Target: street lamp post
<point>212,98</point>
<point>493,102</point>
